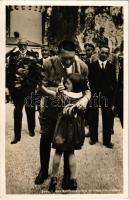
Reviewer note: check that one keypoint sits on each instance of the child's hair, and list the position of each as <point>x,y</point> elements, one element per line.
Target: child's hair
<point>79,82</point>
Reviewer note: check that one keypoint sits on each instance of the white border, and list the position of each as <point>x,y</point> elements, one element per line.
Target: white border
<point>2,99</point>
<point>66,2</point>
<point>126,103</point>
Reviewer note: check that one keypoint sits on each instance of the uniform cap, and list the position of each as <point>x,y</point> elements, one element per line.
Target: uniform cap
<point>22,41</point>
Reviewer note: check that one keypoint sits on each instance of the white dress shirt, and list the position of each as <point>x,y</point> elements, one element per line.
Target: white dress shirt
<point>102,63</point>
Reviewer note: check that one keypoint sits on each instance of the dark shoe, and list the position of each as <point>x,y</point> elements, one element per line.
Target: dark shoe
<point>109,145</point>
<point>73,184</point>
<point>91,142</point>
<point>40,178</point>
<point>32,134</point>
<point>15,140</point>
<point>66,183</point>
<point>53,183</point>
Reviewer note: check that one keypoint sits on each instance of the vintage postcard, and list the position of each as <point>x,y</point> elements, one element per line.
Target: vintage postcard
<point>64,99</point>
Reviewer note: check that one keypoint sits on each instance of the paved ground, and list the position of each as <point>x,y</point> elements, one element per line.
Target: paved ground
<point>99,169</point>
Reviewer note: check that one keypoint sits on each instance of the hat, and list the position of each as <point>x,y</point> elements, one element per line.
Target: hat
<point>22,41</point>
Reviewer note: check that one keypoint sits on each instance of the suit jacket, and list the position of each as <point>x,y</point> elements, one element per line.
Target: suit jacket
<point>103,81</point>
<point>23,72</point>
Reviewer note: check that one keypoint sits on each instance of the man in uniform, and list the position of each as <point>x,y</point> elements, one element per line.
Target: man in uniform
<point>54,69</point>
<point>21,83</point>
<point>89,51</point>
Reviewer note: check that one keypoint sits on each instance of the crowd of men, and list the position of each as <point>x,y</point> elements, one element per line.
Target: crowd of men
<point>26,73</point>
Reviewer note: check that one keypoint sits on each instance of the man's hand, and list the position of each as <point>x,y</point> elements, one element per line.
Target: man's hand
<point>7,94</point>
<point>23,71</point>
<point>114,110</point>
<point>82,103</point>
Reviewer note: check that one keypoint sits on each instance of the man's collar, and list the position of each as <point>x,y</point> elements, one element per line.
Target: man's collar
<point>68,69</point>
<point>63,65</point>
<point>104,62</point>
<point>22,52</point>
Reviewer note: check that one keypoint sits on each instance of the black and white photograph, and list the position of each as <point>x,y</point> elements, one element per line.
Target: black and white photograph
<point>65,110</point>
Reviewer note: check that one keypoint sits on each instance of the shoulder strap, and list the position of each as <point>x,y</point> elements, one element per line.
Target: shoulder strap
<point>53,65</point>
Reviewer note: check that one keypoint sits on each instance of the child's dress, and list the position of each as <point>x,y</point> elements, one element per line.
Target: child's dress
<point>70,129</point>
<point>69,132</point>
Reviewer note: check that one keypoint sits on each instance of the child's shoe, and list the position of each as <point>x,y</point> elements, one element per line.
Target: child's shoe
<point>65,183</point>
<point>73,184</point>
<point>53,183</point>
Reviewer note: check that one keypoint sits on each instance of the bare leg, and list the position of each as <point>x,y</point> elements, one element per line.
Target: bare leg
<point>56,163</point>
<point>72,165</point>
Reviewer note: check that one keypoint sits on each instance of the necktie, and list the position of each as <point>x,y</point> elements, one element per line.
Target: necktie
<point>102,66</point>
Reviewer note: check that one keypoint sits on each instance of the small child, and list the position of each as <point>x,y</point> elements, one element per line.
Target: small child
<point>69,132</point>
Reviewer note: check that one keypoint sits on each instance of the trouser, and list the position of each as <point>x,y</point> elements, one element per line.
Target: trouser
<point>120,115</point>
<point>87,115</point>
<point>19,101</point>
<point>47,131</point>
<point>107,122</point>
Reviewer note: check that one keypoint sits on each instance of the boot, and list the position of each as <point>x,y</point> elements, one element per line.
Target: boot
<point>41,178</point>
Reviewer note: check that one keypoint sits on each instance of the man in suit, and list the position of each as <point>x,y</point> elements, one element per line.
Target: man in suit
<point>21,83</point>
<point>102,79</point>
<point>54,69</point>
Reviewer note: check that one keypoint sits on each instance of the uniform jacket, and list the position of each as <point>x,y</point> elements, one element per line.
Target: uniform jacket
<point>54,71</point>
<point>23,72</point>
